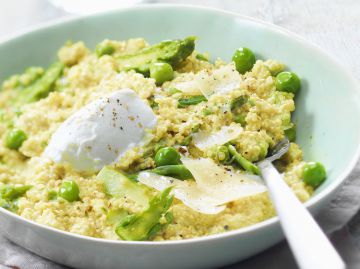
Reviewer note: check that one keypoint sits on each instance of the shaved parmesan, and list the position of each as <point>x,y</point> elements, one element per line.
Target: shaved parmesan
<point>223,80</point>
<point>219,81</point>
<point>191,87</point>
<point>212,189</point>
<point>204,140</point>
<point>186,191</point>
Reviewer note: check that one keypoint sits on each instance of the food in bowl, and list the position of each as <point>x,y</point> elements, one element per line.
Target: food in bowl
<point>148,142</point>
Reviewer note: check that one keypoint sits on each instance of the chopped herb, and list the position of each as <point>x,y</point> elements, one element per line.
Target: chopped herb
<point>194,100</point>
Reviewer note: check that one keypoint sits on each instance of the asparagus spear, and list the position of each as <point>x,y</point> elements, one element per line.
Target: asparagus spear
<point>117,184</point>
<point>247,165</point>
<point>41,87</point>
<point>170,51</point>
<point>147,223</point>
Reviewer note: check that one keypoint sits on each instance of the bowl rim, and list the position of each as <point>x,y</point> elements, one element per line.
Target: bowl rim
<point>238,232</point>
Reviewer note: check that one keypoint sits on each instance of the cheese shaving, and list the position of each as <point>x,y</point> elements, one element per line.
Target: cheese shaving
<point>212,189</point>
<point>204,140</point>
<point>219,81</point>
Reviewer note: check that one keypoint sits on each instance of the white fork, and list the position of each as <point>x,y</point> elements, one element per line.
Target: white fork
<point>310,246</point>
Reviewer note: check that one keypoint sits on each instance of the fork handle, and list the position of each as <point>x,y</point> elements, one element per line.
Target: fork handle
<point>310,246</point>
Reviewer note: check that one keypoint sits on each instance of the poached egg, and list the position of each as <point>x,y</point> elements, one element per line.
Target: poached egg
<point>101,132</point>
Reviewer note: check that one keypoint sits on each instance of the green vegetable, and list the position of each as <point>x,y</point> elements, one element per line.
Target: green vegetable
<point>153,104</point>
<point>247,165</point>
<point>18,82</point>
<point>221,154</point>
<point>161,72</point>
<point>171,52</point>
<point>4,204</point>
<point>178,171</point>
<point>15,138</point>
<point>240,118</point>
<point>244,60</point>
<point>42,87</point>
<point>9,194</point>
<point>146,224</point>
<point>31,75</point>
<point>201,57</point>
<point>12,82</point>
<point>69,190</point>
<point>52,195</point>
<point>314,174</point>
<point>117,184</point>
<point>11,206</point>
<point>194,100</point>
<point>287,82</point>
<point>236,104</point>
<point>104,49</point>
<point>264,146</point>
<point>291,133</point>
<point>133,177</point>
<point>239,102</point>
<point>167,156</point>
<point>115,216</point>
<point>186,141</point>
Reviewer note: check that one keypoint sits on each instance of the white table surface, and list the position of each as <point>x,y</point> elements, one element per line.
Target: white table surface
<point>334,25</point>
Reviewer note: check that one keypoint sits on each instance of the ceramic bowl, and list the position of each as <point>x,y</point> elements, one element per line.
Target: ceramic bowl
<point>326,116</point>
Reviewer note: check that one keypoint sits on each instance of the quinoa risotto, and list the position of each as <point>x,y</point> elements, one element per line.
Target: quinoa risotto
<point>148,142</point>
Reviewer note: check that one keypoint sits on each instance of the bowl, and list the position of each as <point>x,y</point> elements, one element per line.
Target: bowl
<point>326,116</point>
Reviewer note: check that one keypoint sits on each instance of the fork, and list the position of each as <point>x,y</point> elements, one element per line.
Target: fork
<point>310,246</point>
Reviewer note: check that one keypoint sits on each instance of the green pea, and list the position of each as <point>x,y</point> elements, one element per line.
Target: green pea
<point>314,174</point>
<point>287,82</point>
<point>221,154</point>
<point>244,60</point>
<point>69,190</point>
<point>52,195</point>
<point>104,49</point>
<point>161,72</point>
<point>167,156</point>
<point>15,138</point>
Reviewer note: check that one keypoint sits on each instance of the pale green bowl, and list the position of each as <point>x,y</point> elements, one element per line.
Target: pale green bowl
<point>327,118</point>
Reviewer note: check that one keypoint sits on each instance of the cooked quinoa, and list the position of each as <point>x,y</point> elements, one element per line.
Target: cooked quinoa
<point>264,116</point>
